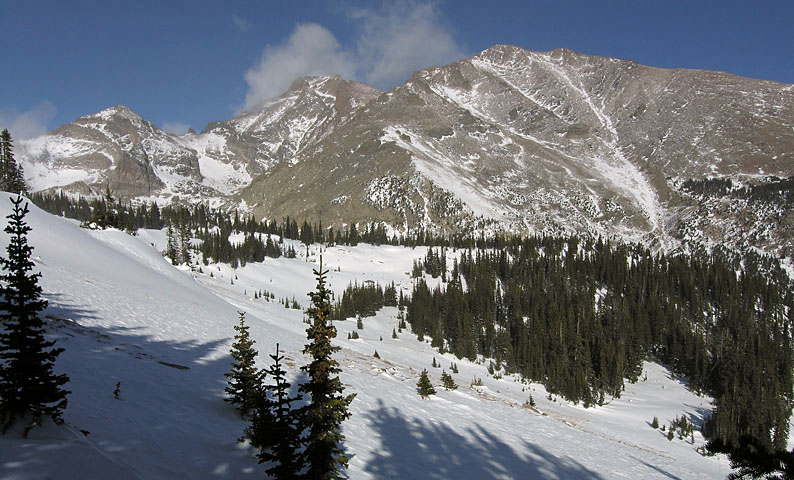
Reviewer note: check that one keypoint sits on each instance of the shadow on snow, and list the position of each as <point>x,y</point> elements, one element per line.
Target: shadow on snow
<point>170,420</point>
<point>415,448</point>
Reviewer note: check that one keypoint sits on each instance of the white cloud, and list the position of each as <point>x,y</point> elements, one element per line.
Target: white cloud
<point>30,123</point>
<point>394,41</point>
<point>310,50</point>
<point>242,24</point>
<point>177,128</point>
<point>404,38</point>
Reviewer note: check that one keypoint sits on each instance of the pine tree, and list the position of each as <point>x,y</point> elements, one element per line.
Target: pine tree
<point>448,381</point>
<point>424,387</point>
<point>171,250</point>
<point>275,427</point>
<point>328,408</point>
<point>11,177</point>
<point>244,378</point>
<point>183,230</point>
<point>27,382</point>
<point>750,458</point>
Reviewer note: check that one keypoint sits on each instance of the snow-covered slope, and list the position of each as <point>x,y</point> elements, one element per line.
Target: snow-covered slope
<point>124,314</point>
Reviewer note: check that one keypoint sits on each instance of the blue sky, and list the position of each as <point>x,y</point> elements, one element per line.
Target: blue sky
<point>180,63</point>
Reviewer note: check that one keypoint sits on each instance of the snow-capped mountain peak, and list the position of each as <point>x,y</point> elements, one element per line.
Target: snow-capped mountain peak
<point>513,139</point>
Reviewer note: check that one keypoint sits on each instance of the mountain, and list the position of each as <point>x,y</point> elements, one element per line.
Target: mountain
<point>118,148</point>
<point>126,317</point>
<point>548,142</point>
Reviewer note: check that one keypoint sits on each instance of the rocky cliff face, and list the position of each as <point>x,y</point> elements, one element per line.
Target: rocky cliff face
<point>535,141</point>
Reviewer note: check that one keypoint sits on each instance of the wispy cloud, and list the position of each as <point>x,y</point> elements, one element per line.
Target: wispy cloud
<point>177,128</point>
<point>401,39</point>
<point>393,42</point>
<point>311,49</point>
<point>30,123</point>
<point>242,24</point>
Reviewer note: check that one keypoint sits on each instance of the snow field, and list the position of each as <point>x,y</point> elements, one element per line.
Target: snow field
<point>124,314</point>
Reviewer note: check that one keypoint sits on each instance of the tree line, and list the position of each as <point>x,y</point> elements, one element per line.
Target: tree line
<point>201,218</point>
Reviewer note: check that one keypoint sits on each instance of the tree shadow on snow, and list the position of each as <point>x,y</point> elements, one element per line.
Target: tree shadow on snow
<point>415,448</point>
<point>660,470</point>
<point>169,420</point>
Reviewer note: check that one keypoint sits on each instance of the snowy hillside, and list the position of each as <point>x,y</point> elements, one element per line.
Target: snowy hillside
<point>124,314</point>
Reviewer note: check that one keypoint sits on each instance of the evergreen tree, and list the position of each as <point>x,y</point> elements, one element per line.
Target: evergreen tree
<point>324,455</point>
<point>105,213</point>
<point>275,427</point>
<point>424,387</point>
<point>27,382</point>
<point>171,250</point>
<point>750,458</point>
<point>448,381</point>
<point>244,378</point>
<point>11,177</point>
<point>184,242</point>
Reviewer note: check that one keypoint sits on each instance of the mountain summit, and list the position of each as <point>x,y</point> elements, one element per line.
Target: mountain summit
<point>546,142</point>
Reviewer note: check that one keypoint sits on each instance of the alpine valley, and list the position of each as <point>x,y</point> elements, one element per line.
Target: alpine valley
<point>536,142</point>
<point>594,258</point>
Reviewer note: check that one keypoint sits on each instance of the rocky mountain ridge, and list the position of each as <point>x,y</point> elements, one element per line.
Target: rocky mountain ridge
<point>549,142</point>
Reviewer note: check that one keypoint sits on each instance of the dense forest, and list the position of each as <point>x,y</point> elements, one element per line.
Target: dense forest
<point>773,190</point>
<point>581,315</point>
<point>576,314</point>
<point>364,300</point>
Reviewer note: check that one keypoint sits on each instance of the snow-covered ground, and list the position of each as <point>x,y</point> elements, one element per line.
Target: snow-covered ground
<point>124,314</point>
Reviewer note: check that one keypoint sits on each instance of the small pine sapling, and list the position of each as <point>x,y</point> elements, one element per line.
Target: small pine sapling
<point>448,381</point>
<point>244,378</point>
<point>423,386</point>
<point>275,425</point>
